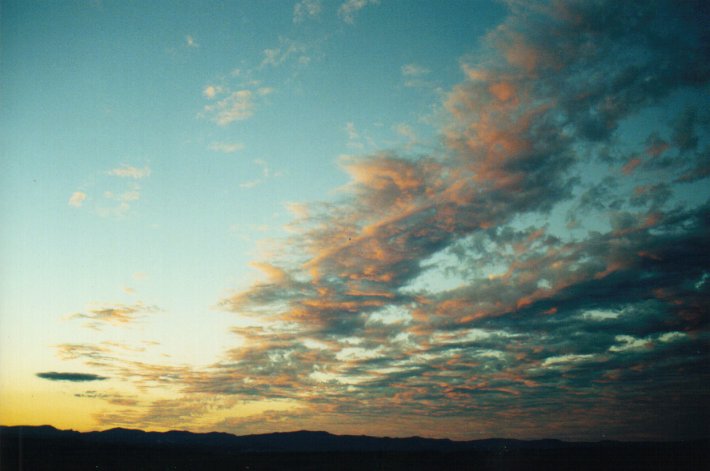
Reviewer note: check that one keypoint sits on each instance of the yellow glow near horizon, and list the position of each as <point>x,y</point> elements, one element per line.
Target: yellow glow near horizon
<point>63,411</point>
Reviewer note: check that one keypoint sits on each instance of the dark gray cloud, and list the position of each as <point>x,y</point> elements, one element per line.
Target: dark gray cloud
<point>74,377</point>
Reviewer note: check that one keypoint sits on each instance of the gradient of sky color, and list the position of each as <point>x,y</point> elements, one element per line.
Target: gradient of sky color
<point>455,219</point>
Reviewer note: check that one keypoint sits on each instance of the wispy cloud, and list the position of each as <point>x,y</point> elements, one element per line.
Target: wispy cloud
<point>77,199</point>
<point>406,131</point>
<point>115,202</point>
<point>114,314</point>
<point>350,8</point>
<point>287,49</point>
<point>226,147</point>
<point>414,70</point>
<point>211,91</point>
<point>113,398</point>
<point>416,76</point>
<point>353,136</point>
<point>128,171</point>
<point>266,173</point>
<point>236,106</point>
<point>122,201</point>
<point>306,9</point>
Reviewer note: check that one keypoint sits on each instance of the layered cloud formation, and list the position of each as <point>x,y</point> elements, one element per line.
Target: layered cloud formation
<point>545,273</point>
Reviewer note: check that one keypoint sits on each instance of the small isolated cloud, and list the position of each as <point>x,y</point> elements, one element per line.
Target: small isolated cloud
<point>211,91</point>
<point>348,9</point>
<point>226,147</point>
<point>266,173</point>
<point>74,377</point>
<point>114,314</point>
<point>306,9</point>
<point>414,70</point>
<point>191,42</point>
<point>250,183</point>
<point>415,76</point>
<point>287,49</point>
<point>121,201</point>
<point>406,130</point>
<point>237,106</point>
<point>353,136</point>
<point>133,194</point>
<point>77,199</point>
<point>357,139</point>
<point>127,171</point>
<point>266,170</point>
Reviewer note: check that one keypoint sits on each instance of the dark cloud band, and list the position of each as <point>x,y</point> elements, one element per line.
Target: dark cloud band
<point>74,377</point>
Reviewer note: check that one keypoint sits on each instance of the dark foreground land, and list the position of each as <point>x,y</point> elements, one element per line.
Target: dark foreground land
<point>46,448</point>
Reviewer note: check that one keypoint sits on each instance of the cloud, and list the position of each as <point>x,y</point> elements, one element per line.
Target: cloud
<point>353,136</point>
<point>114,314</point>
<point>113,398</point>
<point>512,153</point>
<point>125,191</point>
<point>406,130</point>
<point>74,377</point>
<point>226,147</point>
<point>306,9</point>
<point>266,173</point>
<point>191,42</point>
<point>211,91</point>
<point>414,70</point>
<point>443,291</point>
<point>127,171</point>
<point>349,9</point>
<point>122,201</point>
<point>123,363</point>
<point>236,106</point>
<point>77,199</point>
<point>415,76</point>
<point>287,49</point>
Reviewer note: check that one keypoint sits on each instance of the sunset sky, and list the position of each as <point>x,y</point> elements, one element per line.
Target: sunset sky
<point>446,218</point>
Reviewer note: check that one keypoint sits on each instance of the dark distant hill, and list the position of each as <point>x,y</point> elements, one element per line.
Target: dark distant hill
<point>46,448</point>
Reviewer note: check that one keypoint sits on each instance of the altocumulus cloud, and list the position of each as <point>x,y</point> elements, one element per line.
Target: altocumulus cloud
<point>354,324</point>
<point>542,273</point>
<point>74,377</point>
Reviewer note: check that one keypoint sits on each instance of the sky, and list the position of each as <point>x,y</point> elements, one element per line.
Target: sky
<point>461,219</point>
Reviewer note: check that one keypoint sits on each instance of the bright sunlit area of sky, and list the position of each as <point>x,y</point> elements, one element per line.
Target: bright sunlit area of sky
<point>459,218</point>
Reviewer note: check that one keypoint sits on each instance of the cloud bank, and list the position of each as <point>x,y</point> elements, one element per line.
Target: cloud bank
<point>543,274</point>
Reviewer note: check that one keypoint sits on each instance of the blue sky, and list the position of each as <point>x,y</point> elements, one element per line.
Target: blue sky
<point>258,216</point>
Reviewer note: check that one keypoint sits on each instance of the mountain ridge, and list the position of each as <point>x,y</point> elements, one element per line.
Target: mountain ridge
<point>41,448</point>
<point>304,440</point>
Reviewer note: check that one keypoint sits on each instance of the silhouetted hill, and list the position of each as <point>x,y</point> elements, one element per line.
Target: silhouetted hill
<point>46,448</point>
